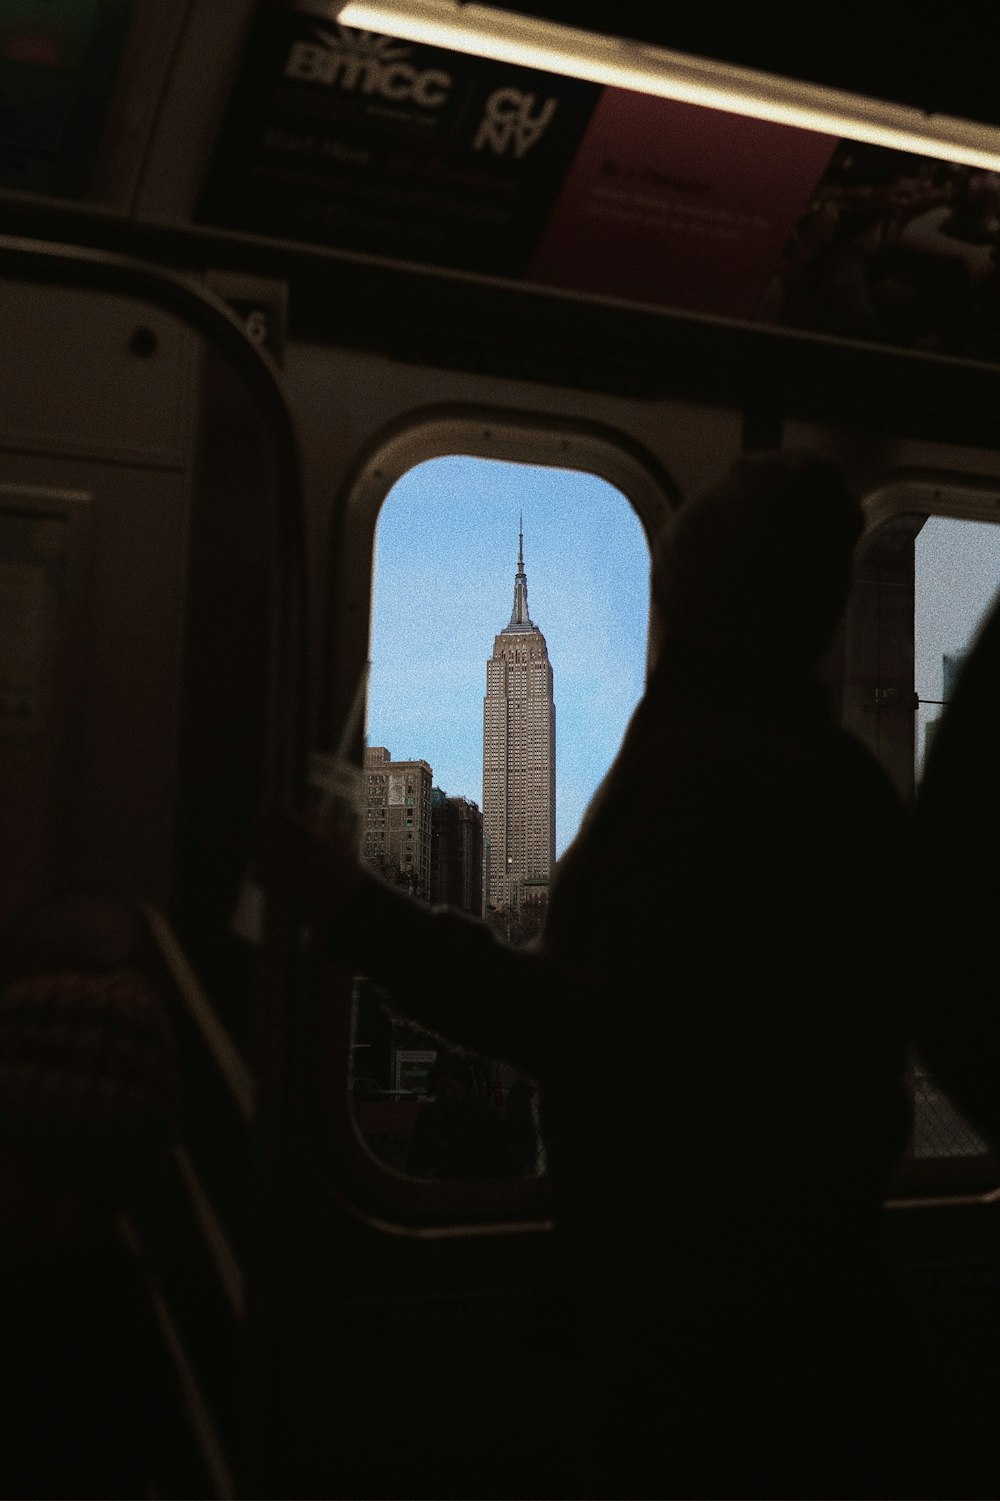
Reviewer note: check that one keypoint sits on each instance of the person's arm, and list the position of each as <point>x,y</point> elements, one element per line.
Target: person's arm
<point>443,969</point>
<point>926,234</point>
<point>448,972</point>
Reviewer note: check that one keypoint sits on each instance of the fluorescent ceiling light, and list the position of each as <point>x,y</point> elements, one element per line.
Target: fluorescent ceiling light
<point>624,64</point>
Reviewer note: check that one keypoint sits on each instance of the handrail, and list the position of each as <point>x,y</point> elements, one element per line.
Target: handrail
<point>192,1394</point>
<point>233,1072</point>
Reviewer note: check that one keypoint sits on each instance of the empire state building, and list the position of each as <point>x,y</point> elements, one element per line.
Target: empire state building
<point>519,758</point>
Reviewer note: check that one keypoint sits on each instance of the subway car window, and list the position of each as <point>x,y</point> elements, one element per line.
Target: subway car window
<point>956,577</point>
<point>925,583</point>
<point>507,652</point>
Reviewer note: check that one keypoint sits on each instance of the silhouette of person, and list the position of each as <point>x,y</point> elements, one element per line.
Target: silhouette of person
<point>520,1129</point>
<point>714,951</point>
<point>955,1016</point>
<point>456,1135</point>
<point>88,1089</point>
<point>957,816</point>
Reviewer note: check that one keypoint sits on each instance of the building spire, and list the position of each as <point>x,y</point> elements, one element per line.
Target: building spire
<point>519,615</point>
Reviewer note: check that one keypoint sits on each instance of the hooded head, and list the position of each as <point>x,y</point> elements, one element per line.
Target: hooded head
<point>751,576</point>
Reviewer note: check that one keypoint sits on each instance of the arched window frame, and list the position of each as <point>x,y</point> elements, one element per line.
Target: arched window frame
<point>388,1198</point>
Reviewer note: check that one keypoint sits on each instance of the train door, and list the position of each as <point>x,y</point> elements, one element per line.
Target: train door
<point>153,702</point>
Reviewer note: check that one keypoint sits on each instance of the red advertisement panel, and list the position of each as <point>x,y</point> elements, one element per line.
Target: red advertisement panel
<point>679,205</point>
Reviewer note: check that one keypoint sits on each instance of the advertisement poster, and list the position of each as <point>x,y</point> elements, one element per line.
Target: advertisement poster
<point>679,206</point>
<point>366,143</point>
<point>57,65</point>
<point>895,249</point>
<point>362,142</point>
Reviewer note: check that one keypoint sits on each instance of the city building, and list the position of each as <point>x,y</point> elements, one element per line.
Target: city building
<point>519,757</point>
<point>396,836</point>
<point>951,666</point>
<point>456,853</point>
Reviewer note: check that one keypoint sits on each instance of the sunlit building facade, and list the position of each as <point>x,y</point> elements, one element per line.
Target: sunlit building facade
<point>396,837</point>
<point>519,757</point>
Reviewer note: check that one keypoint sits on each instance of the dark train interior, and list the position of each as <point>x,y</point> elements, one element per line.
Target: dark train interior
<point>257,264</point>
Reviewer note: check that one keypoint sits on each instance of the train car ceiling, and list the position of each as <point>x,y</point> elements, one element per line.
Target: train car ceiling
<point>453,210</point>
<point>889,51</point>
<point>746,74</point>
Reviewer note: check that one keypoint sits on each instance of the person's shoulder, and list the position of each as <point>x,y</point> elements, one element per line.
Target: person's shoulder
<point>859,762</point>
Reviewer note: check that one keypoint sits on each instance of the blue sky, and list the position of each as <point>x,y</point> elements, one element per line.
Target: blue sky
<point>445,559</point>
<point>957,576</point>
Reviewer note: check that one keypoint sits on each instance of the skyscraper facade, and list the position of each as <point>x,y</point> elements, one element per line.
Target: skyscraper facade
<point>519,758</point>
<point>456,853</point>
